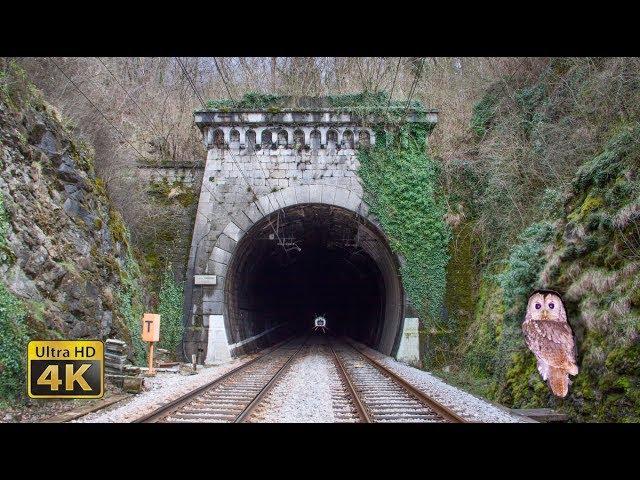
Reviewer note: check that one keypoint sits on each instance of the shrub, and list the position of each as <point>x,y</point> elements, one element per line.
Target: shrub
<point>13,329</point>
<point>523,267</point>
<point>13,345</point>
<point>483,113</point>
<point>170,310</point>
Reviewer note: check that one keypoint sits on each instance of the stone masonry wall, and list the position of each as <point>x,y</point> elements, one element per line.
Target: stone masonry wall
<point>226,193</point>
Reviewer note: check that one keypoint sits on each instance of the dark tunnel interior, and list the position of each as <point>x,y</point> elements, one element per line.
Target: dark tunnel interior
<point>311,260</point>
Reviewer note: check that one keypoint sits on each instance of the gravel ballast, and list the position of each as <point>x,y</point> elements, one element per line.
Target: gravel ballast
<point>463,403</point>
<point>304,393</point>
<point>161,389</point>
<point>309,391</point>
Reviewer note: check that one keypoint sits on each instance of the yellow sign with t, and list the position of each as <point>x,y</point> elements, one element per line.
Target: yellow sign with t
<point>151,334</point>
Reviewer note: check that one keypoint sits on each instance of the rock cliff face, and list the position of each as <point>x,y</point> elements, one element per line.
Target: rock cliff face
<point>64,253</point>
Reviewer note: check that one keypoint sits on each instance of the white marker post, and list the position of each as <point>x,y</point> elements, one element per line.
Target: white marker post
<point>151,334</point>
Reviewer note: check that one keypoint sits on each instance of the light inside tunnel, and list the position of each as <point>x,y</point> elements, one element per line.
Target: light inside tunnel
<point>309,260</point>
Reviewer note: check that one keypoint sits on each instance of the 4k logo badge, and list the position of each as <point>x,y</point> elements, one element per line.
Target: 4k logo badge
<point>65,369</point>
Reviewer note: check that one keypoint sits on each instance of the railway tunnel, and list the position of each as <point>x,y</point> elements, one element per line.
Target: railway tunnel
<point>314,259</point>
<point>282,233</point>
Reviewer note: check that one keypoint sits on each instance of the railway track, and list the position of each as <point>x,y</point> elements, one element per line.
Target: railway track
<point>232,397</point>
<point>382,396</point>
<point>372,392</point>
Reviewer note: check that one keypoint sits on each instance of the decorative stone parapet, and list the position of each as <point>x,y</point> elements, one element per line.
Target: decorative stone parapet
<point>295,129</point>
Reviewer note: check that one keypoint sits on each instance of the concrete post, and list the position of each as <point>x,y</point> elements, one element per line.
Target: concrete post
<point>409,349</point>
<point>218,345</point>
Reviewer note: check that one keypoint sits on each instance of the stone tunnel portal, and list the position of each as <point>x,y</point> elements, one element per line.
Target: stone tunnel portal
<point>314,259</point>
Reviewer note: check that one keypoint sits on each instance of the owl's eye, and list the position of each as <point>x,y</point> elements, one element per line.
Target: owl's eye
<point>538,306</point>
<point>551,305</point>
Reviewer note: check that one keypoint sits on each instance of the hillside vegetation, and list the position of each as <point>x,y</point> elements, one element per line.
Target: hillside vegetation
<point>548,196</point>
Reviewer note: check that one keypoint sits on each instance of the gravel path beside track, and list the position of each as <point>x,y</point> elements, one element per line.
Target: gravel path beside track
<point>305,392</point>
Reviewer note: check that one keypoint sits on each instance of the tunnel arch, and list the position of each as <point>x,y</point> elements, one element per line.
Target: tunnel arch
<point>323,235</point>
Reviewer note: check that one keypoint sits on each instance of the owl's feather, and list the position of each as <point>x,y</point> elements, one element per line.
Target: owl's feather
<point>559,381</point>
<point>551,342</point>
<point>543,368</point>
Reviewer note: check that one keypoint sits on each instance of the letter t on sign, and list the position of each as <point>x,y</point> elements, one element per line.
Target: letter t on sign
<point>151,327</point>
<point>151,334</point>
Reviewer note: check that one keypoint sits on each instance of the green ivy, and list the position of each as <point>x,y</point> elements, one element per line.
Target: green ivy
<point>529,101</point>
<point>608,164</point>
<point>400,182</point>
<point>13,345</point>
<point>363,103</point>
<point>170,310</point>
<point>13,329</point>
<point>130,296</point>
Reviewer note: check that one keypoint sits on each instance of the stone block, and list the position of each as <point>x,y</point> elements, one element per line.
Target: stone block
<point>328,194</point>
<point>302,194</point>
<point>364,209</point>
<point>219,268</point>
<point>220,256</point>
<point>212,308</point>
<point>265,205</point>
<point>341,197</point>
<point>273,198</point>
<point>226,243</point>
<point>353,201</point>
<point>133,384</point>
<point>315,193</point>
<point>253,212</point>
<point>233,232</point>
<point>289,196</point>
<point>217,295</point>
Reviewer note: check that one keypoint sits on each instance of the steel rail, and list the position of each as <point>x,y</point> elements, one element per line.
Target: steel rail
<point>362,411</point>
<point>445,412</point>
<point>174,405</point>
<point>244,415</point>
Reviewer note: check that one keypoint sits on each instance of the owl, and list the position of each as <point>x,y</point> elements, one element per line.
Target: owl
<point>549,337</point>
